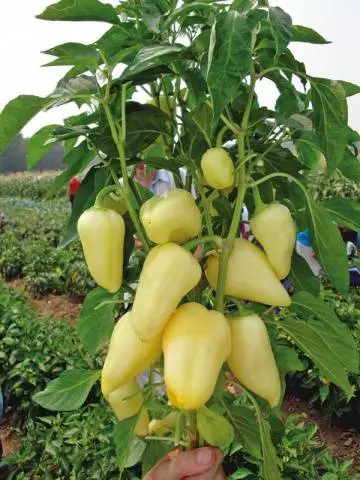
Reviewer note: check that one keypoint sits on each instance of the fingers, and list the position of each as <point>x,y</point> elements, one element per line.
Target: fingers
<point>213,473</point>
<point>187,465</point>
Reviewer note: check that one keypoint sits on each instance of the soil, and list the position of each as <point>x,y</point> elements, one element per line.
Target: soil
<point>8,438</point>
<point>343,443</point>
<point>61,307</point>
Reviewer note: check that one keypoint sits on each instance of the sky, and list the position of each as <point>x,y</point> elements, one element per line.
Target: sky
<point>23,37</point>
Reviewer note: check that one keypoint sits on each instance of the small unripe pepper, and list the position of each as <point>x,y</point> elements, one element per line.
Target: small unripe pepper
<point>168,274</point>
<point>249,276</point>
<point>218,168</point>
<point>252,360</point>
<point>127,355</point>
<point>196,342</point>
<point>171,217</point>
<point>127,401</point>
<point>101,232</point>
<point>163,426</point>
<point>274,228</point>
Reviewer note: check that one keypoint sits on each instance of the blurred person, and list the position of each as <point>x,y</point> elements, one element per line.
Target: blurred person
<point>73,188</point>
<point>305,250</point>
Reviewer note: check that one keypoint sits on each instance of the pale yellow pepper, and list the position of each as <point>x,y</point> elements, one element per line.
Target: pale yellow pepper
<point>196,342</point>
<point>127,356</point>
<point>252,360</point>
<point>171,217</point>
<point>249,276</point>
<point>168,274</point>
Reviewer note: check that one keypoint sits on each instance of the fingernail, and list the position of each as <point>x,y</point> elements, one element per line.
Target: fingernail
<point>204,456</point>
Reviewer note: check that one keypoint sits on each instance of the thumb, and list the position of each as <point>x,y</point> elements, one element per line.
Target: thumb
<point>185,464</point>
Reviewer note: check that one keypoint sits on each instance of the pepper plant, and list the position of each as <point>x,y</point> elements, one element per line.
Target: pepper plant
<point>173,85</point>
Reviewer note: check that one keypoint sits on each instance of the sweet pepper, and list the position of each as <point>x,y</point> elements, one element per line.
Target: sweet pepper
<point>168,274</point>
<point>218,168</point>
<point>252,360</point>
<point>164,426</point>
<point>127,401</point>
<point>101,232</point>
<point>274,228</point>
<point>196,343</point>
<point>249,276</point>
<point>171,217</point>
<point>127,355</point>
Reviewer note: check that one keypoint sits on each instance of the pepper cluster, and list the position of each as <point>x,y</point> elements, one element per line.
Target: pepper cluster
<point>194,341</point>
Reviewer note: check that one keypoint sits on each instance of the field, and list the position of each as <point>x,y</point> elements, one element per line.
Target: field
<point>41,292</point>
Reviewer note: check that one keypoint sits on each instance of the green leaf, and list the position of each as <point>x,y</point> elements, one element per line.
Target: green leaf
<point>16,114</point>
<point>85,197</point>
<point>270,461</point>
<point>345,211</point>
<point>350,88</point>
<point>79,89</point>
<point>144,123</point>
<point>302,276</point>
<point>76,160</point>
<point>287,360</point>
<point>229,59</point>
<point>79,11</point>
<point>151,15</point>
<point>307,35</point>
<point>243,6</point>
<point>38,146</point>
<point>330,118</point>
<point>152,56</point>
<point>154,452</point>
<point>282,28</point>
<point>335,332</point>
<point>74,54</point>
<point>350,166</point>
<point>309,336</point>
<point>288,102</point>
<point>69,391</point>
<point>246,429</point>
<point>136,450</point>
<point>117,38</point>
<point>309,152</point>
<point>96,321</point>
<point>215,429</point>
<point>329,247</point>
<point>123,435</point>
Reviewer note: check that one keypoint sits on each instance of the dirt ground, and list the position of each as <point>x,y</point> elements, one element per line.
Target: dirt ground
<point>56,306</point>
<point>343,443</point>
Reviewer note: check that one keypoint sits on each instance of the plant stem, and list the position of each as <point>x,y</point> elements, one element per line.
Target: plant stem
<point>235,222</point>
<point>202,240</point>
<point>105,191</point>
<point>179,427</point>
<point>121,150</point>
<point>259,204</point>
<point>192,430</point>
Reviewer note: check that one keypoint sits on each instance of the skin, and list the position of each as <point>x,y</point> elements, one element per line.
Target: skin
<point>201,464</point>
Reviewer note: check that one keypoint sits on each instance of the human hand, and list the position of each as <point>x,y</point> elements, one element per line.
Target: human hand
<point>200,464</point>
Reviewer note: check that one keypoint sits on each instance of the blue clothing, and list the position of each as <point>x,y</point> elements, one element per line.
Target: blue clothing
<point>304,238</point>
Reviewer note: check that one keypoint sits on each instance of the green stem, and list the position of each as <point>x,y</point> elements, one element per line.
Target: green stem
<point>179,427</point>
<point>259,204</point>
<point>105,191</point>
<point>192,429</point>
<point>202,240</point>
<point>235,222</point>
<point>204,202</point>
<point>121,151</point>
<point>219,139</point>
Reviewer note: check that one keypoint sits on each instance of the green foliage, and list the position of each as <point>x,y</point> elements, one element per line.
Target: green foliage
<point>313,384</point>
<point>33,352</point>
<point>29,186</point>
<point>31,232</point>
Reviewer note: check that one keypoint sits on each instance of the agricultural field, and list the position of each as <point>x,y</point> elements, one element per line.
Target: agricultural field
<point>180,294</point>
<point>41,292</point>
